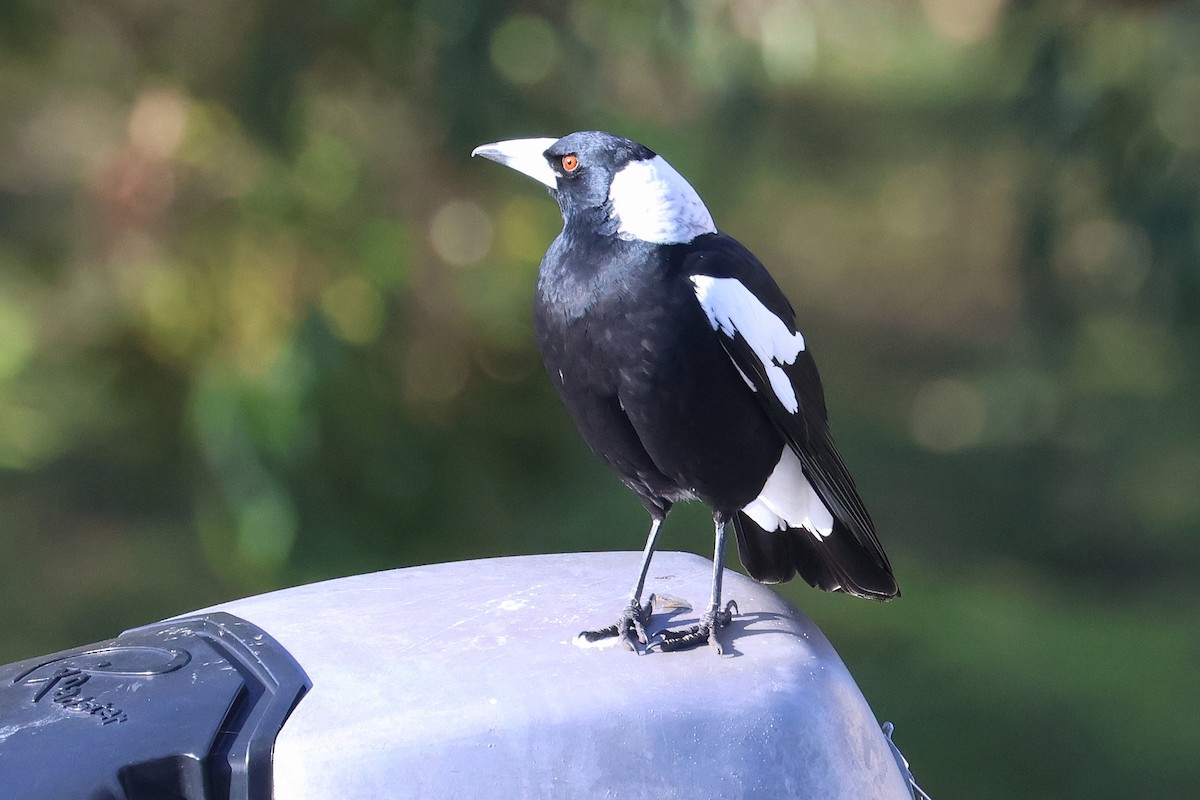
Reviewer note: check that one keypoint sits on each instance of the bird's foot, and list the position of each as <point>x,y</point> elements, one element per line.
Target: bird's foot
<point>712,621</point>
<point>630,627</point>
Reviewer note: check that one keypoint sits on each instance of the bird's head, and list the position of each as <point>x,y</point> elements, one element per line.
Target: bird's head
<point>610,183</point>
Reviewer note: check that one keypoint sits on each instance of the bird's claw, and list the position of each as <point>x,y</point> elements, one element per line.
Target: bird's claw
<point>712,621</point>
<point>630,627</point>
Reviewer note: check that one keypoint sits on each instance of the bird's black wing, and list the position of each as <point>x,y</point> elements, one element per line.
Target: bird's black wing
<point>862,567</point>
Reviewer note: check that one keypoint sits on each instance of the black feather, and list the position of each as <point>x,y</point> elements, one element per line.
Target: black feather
<point>658,390</point>
<point>851,558</point>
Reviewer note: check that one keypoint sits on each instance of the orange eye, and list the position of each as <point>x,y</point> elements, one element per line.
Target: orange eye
<point>570,162</point>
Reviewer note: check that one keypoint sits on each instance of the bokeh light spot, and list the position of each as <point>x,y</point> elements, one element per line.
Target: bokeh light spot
<point>434,372</point>
<point>1177,113</point>
<point>461,233</point>
<point>1117,355</point>
<point>948,415</point>
<point>16,339</point>
<point>266,529</point>
<point>524,49</point>
<point>384,252</point>
<point>963,22</point>
<point>327,172</point>
<point>524,228</point>
<point>260,299</point>
<point>1163,485</point>
<point>789,41</point>
<point>28,436</point>
<point>916,201</point>
<point>158,122</point>
<point>354,309</point>
<point>1104,252</point>
<point>175,309</point>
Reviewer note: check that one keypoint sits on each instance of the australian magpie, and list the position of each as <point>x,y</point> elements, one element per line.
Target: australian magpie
<point>678,358</point>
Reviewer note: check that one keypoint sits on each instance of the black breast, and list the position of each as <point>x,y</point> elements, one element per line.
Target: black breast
<point>644,376</point>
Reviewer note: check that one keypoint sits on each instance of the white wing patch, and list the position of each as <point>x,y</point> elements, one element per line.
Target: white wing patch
<point>787,500</point>
<point>654,203</point>
<point>732,309</point>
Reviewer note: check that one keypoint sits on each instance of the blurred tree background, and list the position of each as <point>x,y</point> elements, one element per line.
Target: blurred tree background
<point>263,321</point>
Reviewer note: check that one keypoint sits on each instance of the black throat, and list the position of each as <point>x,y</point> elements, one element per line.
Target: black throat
<point>586,267</point>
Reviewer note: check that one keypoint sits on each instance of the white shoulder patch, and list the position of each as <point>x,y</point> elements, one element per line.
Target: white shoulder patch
<point>654,203</point>
<point>787,500</point>
<point>732,309</point>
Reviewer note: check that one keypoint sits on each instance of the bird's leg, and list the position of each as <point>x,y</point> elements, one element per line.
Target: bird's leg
<point>715,617</point>
<point>631,625</point>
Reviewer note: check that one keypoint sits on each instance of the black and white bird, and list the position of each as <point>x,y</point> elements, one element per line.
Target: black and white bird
<point>678,358</point>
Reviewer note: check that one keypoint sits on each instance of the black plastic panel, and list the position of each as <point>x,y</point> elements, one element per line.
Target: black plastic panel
<point>187,709</point>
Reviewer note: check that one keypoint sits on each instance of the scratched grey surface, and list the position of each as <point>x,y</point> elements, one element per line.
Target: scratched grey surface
<point>463,680</point>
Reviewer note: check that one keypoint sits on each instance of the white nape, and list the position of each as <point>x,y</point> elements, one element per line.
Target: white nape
<point>733,309</point>
<point>654,203</point>
<point>787,500</point>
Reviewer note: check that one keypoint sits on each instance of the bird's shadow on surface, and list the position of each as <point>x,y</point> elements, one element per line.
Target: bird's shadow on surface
<point>740,626</point>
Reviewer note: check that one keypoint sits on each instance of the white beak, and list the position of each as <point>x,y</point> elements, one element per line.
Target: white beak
<point>523,155</point>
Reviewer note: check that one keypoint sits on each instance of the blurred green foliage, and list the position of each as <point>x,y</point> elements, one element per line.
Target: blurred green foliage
<point>262,321</point>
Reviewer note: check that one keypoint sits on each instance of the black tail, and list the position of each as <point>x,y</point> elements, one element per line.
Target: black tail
<point>837,563</point>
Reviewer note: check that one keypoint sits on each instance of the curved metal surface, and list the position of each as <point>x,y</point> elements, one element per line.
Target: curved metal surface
<point>465,680</point>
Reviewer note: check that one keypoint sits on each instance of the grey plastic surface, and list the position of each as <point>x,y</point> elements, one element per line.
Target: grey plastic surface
<point>464,680</point>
